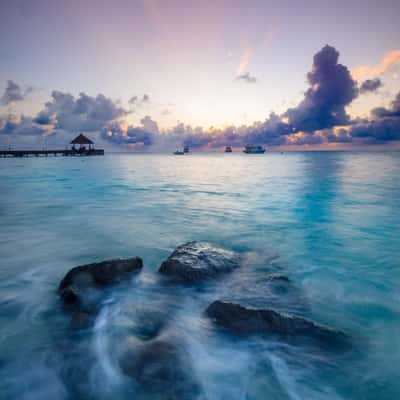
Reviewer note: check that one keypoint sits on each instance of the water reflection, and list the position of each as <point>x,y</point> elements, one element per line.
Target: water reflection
<point>330,222</point>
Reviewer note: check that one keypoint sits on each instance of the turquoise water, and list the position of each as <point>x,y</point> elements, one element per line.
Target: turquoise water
<point>329,221</point>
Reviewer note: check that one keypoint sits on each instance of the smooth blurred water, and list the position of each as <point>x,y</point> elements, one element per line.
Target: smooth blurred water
<point>328,220</point>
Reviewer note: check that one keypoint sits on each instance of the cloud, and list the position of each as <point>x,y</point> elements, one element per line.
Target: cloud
<point>370,85</point>
<point>383,126</point>
<point>389,61</point>
<point>305,138</point>
<point>246,78</point>
<point>372,132</point>
<point>271,132</point>
<point>392,111</point>
<point>319,118</point>
<point>331,90</point>
<point>25,126</point>
<point>195,137</point>
<point>340,135</point>
<point>245,60</point>
<point>130,135</point>
<point>133,100</point>
<point>14,93</point>
<point>149,125</point>
<point>84,113</point>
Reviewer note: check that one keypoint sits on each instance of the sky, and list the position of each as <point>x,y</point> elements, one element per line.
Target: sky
<point>157,74</point>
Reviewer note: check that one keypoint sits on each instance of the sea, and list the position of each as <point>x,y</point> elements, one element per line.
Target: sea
<point>328,221</point>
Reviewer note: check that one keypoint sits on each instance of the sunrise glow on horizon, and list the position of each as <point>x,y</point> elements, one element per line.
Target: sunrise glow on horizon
<point>193,68</point>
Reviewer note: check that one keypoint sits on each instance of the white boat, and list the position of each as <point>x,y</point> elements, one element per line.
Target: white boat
<point>253,149</point>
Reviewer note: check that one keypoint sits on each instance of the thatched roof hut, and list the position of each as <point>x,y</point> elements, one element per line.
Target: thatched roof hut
<point>81,140</point>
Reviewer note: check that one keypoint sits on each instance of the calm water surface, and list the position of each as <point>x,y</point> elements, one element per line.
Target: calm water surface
<point>329,221</point>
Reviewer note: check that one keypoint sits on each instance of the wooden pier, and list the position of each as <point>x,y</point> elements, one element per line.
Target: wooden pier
<point>54,153</point>
<point>80,151</point>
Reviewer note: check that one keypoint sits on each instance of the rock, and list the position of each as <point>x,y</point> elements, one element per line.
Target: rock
<point>244,320</point>
<point>277,278</point>
<point>162,368</point>
<point>194,261</point>
<point>80,286</point>
<point>259,288</point>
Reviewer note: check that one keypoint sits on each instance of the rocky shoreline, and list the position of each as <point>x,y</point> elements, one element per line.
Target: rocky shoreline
<point>159,360</point>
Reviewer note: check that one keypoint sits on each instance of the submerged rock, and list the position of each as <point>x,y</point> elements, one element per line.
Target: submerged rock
<point>244,320</point>
<point>80,286</point>
<point>194,261</point>
<point>162,369</point>
<point>261,289</point>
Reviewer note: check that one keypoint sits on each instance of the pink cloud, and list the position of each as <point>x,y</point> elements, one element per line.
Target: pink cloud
<point>389,60</point>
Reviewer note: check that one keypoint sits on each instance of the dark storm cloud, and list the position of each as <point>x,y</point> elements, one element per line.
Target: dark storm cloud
<point>85,113</point>
<point>370,85</point>
<point>246,78</point>
<point>331,90</point>
<point>14,93</point>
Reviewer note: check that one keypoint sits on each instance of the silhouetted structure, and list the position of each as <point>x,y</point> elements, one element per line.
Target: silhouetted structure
<point>86,148</point>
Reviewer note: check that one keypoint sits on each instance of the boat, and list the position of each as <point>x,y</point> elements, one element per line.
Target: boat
<point>228,149</point>
<point>253,149</point>
<point>186,149</point>
<point>179,153</point>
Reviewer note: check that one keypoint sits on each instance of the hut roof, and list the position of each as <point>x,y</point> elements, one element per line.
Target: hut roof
<point>81,139</point>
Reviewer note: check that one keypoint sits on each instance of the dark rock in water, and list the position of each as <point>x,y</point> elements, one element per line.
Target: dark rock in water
<point>80,285</point>
<point>101,273</point>
<point>277,278</point>
<point>162,369</point>
<point>195,261</point>
<point>244,320</point>
<point>259,288</point>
